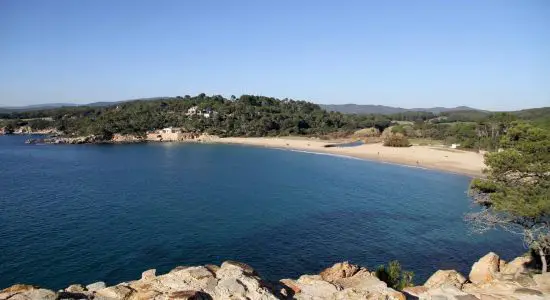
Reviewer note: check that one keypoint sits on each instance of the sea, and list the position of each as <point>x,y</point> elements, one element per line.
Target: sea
<point>86,213</point>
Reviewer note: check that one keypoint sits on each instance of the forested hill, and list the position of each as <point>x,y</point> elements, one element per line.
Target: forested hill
<point>386,110</point>
<point>264,116</point>
<point>244,116</point>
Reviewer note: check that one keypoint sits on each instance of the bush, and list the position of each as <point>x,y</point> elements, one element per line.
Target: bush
<point>394,276</point>
<point>367,132</point>
<point>396,140</point>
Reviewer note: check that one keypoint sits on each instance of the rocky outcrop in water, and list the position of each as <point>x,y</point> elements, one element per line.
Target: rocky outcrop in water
<point>91,139</point>
<point>120,139</point>
<point>234,280</point>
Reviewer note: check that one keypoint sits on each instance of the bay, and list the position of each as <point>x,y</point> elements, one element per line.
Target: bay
<point>84,213</point>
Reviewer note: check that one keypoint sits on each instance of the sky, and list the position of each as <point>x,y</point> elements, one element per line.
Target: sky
<point>481,53</point>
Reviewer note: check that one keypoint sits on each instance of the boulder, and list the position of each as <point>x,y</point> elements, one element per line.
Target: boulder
<point>246,269</point>
<point>517,266</point>
<point>212,268</point>
<point>292,285</point>
<point>445,278</point>
<point>189,295</point>
<point>149,274</point>
<point>229,288</point>
<point>543,281</point>
<point>15,289</point>
<point>485,269</point>
<point>314,287</point>
<point>35,294</point>
<point>115,292</point>
<point>18,288</point>
<point>415,291</point>
<point>446,293</point>
<point>339,271</point>
<point>75,288</point>
<point>95,286</point>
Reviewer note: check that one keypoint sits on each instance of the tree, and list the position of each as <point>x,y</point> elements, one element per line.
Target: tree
<point>9,128</point>
<point>394,276</point>
<point>396,140</point>
<point>515,196</point>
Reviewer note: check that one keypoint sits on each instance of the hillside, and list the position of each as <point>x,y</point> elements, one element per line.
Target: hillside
<point>387,110</point>
<point>259,116</point>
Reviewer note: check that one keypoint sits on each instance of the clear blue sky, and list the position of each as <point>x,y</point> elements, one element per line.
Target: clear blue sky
<point>481,53</point>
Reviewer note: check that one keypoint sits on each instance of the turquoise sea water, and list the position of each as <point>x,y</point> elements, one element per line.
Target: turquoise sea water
<point>79,214</point>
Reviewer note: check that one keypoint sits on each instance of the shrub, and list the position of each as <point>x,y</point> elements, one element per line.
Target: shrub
<point>394,276</point>
<point>367,132</point>
<point>396,140</point>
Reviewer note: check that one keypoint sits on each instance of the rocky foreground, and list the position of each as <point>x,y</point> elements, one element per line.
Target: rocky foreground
<point>490,278</point>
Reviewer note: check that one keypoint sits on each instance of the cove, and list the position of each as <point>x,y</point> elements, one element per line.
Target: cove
<point>79,214</point>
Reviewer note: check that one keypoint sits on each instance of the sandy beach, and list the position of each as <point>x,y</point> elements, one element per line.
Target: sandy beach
<point>430,157</point>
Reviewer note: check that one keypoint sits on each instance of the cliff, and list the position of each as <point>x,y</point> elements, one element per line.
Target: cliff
<point>490,278</point>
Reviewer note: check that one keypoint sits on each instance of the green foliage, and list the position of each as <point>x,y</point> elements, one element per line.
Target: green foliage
<point>250,115</point>
<point>394,276</point>
<point>247,115</point>
<point>396,140</point>
<point>516,192</point>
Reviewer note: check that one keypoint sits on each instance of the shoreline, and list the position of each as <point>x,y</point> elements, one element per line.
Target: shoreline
<point>438,158</point>
<point>422,157</point>
<point>490,276</point>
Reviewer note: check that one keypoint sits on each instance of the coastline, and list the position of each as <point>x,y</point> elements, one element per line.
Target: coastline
<point>424,157</point>
<point>490,278</point>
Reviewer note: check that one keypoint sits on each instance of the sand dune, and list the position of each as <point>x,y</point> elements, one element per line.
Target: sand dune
<point>445,159</point>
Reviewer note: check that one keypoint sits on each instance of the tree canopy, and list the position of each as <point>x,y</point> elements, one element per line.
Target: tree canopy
<point>515,195</point>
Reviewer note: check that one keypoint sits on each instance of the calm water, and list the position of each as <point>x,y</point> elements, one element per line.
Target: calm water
<point>79,214</point>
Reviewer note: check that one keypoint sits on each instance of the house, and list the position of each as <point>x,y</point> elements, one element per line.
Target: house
<point>192,111</point>
<point>206,113</point>
<point>169,134</point>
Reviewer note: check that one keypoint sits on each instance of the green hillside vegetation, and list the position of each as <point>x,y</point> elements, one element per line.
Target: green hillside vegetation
<point>244,116</point>
<point>265,116</point>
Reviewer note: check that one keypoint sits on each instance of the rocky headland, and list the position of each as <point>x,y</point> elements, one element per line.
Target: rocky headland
<point>117,139</point>
<point>490,278</point>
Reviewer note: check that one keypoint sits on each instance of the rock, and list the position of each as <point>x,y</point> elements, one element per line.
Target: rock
<point>395,295</point>
<point>543,281</point>
<point>18,288</point>
<point>149,274</point>
<point>95,286</point>
<point>115,292</point>
<point>199,272</point>
<point>179,268</point>
<point>75,288</point>
<point>35,294</point>
<point>485,269</point>
<point>15,289</point>
<point>246,269</point>
<point>517,266</point>
<point>447,278</point>
<point>501,264</point>
<point>363,280</point>
<point>63,295</point>
<point>189,295</point>
<point>415,291</point>
<point>446,293</point>
<point>212,268</point>
<point>229,288</point>
<point>292,285</point>
<point>315,287</point>
<point>339,271</point>
<point>527,292</point>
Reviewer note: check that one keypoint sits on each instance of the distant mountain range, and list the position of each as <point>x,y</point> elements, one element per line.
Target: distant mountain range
<point>387,110</point>
<point>343,108</point>
<point>8,109</point>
